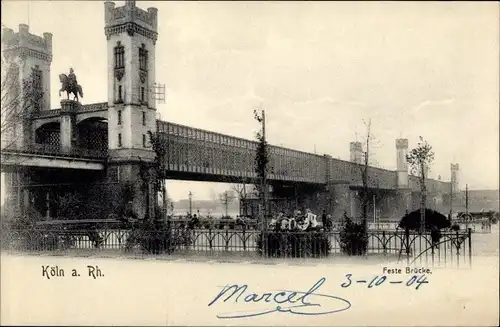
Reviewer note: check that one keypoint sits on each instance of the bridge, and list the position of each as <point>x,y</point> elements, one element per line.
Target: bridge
<point>105,143</point>
<point>193,154</point>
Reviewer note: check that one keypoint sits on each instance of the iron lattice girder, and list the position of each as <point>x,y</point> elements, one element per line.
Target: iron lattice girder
<point>197,151</point>
<point>194,150</point>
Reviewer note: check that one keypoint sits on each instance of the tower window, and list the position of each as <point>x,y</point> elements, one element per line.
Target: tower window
<point>119,140</point>
<point>143,58</point>
<point>119,117</point>
<point>119,56</point>
<point>35,90</point>
<point>120,98</point>
<point>143,118</point>
<point>143,140</point>
<point>142,94</point>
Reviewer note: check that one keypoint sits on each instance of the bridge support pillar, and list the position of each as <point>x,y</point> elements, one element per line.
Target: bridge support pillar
<point>17,199</point>
<point>356,206</point>
<point>338,199</point>
<point>137,184</point>
<point>68,124</point>
<point>403,202</point>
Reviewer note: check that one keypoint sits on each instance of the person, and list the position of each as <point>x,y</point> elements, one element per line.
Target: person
<point>329,222</point>
<point>72,78</point>
<point>311,218</point>
<point>285,224</point>
<point>323,218</point>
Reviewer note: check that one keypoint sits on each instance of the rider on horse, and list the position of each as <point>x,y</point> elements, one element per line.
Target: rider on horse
<point>72,79</point>
<point>70,85</point>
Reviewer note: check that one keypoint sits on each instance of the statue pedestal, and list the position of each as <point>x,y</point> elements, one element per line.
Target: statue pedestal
<point>69,109</point>
<point>69,106</point>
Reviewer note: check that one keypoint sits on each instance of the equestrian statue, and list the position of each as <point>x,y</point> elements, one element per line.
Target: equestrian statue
<point>70,85</point>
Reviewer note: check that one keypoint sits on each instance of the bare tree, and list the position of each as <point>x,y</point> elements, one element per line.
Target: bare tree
<point>368,144</point>
<point>20,99</point>
<point>261,164</point>
<point>420,159</point>
<point>242,191</point>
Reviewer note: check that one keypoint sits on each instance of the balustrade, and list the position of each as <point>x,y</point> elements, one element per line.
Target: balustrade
<point>55,150</point>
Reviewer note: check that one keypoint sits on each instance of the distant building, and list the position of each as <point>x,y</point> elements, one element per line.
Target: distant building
<point>478,200</point>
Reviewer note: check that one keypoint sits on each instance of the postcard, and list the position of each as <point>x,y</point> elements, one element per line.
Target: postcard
<point>260,163</point>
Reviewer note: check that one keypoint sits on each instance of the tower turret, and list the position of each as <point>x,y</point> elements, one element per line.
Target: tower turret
<point>402,165</point>
<point>356,152</point>
<point>28,58</point>
<point>454,168</point>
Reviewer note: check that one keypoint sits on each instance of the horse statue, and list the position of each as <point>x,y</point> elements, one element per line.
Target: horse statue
<point>68,87</point>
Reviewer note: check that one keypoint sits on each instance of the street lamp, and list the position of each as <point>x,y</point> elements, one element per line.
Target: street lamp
<point>190,203</point>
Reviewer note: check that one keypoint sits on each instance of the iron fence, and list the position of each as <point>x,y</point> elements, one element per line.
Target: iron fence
<point>447,248</point>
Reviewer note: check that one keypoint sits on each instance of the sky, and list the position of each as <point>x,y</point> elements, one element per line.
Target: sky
<point>318,68</point>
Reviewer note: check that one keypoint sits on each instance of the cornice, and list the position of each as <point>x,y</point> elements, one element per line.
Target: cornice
<point>131,28</point>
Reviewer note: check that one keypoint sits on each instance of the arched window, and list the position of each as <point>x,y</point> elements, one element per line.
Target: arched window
<point>35,93</point>
<point>119,55</point>
<point>143,58</point>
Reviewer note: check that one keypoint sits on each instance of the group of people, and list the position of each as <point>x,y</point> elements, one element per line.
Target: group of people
<point>300,221</point>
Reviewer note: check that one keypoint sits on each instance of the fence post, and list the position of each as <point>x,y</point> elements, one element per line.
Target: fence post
<point>227,240</point>
<point>384,244</point>
<point>264,247</point>
<point>457,247</point>
<point>407,237</point>
<point>244,239</point>
<point>469,232</point>
<point>210,238</point>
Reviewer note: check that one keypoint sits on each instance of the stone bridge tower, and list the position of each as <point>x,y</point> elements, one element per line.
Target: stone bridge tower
<point>356,152</point>
<point>404,194</point>
<point>455,186</point>
<point>401,164</point>
<point>28,58</point>
<point>131,37</point>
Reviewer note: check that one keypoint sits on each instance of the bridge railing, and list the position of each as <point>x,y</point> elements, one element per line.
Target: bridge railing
<point>56,150</point>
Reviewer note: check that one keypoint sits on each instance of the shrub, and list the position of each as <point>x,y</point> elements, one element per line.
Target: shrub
<point>41,240</point>
<point>152,238</point>
<point>293,244</point>
<point>353,238</point>
<point>157,237</point>
<point>20,233</point>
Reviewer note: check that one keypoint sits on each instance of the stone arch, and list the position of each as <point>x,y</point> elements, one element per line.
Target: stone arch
<point>49,133</point>
<point>103,115</point>
<point>37,123</point>
<point>92,133</point>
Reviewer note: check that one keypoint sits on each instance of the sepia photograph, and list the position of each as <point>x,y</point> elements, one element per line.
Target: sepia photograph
<point>250,163</point>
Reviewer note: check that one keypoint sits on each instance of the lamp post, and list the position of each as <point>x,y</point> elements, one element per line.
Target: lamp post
<point>190,203</point>
<point>374,211</point>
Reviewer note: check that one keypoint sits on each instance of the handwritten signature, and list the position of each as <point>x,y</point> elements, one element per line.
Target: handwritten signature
<point>284,301</point>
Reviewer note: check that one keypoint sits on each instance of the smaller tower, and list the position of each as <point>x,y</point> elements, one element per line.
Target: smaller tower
<point>454,168</point>
<point>356,151</point>
<point>28,58</point>
<point>402,165</point>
